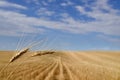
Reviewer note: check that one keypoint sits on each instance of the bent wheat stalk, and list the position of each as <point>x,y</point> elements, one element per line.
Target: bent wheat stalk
<point>42,53</point>
<point>25,50</point>
<point>14,58</point>
<point>19,54</point>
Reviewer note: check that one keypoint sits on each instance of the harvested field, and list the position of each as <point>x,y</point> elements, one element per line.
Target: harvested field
<point>61,65</point>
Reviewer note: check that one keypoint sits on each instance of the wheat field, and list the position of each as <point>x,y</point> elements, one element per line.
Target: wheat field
<point>62,65</point>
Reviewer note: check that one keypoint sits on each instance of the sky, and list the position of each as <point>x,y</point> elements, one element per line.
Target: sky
<point>61,24</point>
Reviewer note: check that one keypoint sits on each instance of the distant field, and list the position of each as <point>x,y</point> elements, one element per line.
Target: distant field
<point>62,65</point>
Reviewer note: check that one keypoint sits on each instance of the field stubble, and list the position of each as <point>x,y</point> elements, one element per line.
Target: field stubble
<point>62,65</point>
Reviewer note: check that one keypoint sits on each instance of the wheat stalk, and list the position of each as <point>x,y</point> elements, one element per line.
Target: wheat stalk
<point>42,53</point>
<point>21,52</point>
<point>25,50</point>
<point>18,54</point>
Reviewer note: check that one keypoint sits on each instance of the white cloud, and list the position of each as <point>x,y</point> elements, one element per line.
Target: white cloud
<point>33,1</point>
<point>68,3</point>
<point>63,4</point>
<point>64,15</point>
<point>45,12</point>
<point>51,1</point>
<point>80,9</point>
<point>44,3</point>
<point>105,22</point>
<point>12,23</point>
<point>13,5</point>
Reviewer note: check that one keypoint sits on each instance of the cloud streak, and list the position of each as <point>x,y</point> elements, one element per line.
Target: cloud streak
<point>6,4</point>
<point>105,22</point>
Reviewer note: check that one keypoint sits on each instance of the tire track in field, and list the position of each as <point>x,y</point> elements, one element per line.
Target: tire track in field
<point>44,73</point>
<point>51,73</point>
<point>68,72</point>
<point>36,72</point>
<point>32,73</point>
<point>61,74</point>
<point>28,70</point>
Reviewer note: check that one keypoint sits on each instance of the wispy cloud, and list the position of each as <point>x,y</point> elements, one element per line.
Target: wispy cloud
<point>13,5</point>
<point>44,12</point>
<point>13,23</point>
<point>105,22</point>
<point>68,3</point>
<point>96,20</point>
<point>44,3</point>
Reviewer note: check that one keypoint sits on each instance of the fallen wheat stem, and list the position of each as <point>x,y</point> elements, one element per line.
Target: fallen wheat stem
<point>21,52</point>
<point>18,54</point>
<point>42,53</point>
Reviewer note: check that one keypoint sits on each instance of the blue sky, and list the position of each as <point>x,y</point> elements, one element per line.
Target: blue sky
<point>67,24</point>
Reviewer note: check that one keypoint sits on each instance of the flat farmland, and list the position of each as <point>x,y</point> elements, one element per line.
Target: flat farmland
<point>61,65</point>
